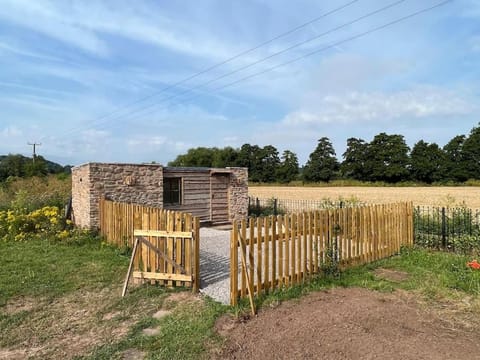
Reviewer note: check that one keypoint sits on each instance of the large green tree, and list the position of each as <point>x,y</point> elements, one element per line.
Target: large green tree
<point>200,157</point>
<point>353,165</point>
<point>471,154</point>
<point>455,166</point>
<point>13,165</point>
<point>387,158</point>
<point>427,162</point>
<point>225,157</point>
<point>269,163</point>
<point>322,164</point>
<point>288,169</point>
<point>249,156</point>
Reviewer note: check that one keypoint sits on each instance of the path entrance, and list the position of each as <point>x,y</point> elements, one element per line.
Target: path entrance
<point>215,264</point>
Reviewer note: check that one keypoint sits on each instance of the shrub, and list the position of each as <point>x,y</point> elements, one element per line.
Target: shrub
<point>34,193</point>
<point>456,229</point>
<point>19,224</point>
<point>268,209</point>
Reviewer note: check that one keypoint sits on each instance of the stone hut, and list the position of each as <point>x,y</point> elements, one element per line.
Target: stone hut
<point>215,195</point>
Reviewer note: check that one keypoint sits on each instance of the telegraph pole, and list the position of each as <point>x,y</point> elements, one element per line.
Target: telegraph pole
<point>34,144</point>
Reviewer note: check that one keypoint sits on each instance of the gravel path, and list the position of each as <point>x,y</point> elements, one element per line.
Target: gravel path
<point>215,264</point>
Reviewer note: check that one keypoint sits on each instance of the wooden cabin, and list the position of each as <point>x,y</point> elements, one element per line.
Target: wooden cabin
<point>215,195</point>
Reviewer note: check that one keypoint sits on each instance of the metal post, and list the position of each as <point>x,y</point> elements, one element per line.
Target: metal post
<point>275,207</point>
<point>444,233</point>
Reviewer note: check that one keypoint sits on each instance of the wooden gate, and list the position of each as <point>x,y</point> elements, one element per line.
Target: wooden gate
<point>166,244</point>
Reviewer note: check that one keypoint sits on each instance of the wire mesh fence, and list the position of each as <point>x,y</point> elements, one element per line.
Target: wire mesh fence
<point>274,206</point>
<point>452,229</point>
<point>456,229</point>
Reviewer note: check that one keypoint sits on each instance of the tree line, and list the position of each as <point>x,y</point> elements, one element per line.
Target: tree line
<point>16,165</point>
<point>387,158</point>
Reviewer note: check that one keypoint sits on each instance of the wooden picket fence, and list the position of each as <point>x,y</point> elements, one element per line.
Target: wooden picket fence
<point>273,252</point>
<point>167,248</point>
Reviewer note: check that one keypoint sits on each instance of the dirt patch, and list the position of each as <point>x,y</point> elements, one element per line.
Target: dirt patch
<point>21,304</point>
<point>346,324</point>
<point>161,313</point>
<point>391,275</point>
<point>151,331</point>
<point>133,354</point>
<point>72,325</point>
<point>180,297</point>
<point>18,354</point>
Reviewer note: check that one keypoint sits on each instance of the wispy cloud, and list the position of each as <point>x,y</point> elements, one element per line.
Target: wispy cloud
<point>7,47</point>
<point>47,18</point>
<point>11,131</point>
<point>357,107</point>
<point>83,25</point>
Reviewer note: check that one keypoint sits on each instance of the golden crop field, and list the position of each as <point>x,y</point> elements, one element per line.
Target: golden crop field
<point>434,196</point>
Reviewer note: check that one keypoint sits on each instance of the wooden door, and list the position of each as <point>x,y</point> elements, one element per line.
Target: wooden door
<point>219,198</point>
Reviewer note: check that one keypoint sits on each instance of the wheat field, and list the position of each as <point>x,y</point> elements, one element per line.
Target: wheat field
<point>433,196</point>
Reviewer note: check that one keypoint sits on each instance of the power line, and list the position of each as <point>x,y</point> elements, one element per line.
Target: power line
<point>360,35</point>
<point>296,45</point>
<point>335,44</point>
<point>217,65</point>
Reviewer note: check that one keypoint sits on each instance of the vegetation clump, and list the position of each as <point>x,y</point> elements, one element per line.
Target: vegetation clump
<point>19,224</point>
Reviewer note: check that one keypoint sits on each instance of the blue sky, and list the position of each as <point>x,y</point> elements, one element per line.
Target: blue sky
<point>70,70</point>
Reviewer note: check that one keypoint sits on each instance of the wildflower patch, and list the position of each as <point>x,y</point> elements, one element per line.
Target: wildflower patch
<point>19,224</point>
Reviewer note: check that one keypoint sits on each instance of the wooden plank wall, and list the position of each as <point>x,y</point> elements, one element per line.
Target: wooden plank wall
<point>196,193</point>
<point>282,251</point>
<point>219,198</point>
<point>119,220</point>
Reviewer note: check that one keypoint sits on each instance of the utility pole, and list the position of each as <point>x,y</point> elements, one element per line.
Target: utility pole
<point>34,144</point>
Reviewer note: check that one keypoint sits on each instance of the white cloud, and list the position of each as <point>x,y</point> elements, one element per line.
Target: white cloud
<point>147,141</point>
<point>45,17</point>
<point>34,102</point>
<point>7,47</point>
<point>362,107</point>
<point>82,24</point>
<point>11,131</point>
<point>95,134</point>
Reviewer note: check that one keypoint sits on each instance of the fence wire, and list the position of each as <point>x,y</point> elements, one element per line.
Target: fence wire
<point>447,228</point>
<point>274,206</point>
<point>453,229</point>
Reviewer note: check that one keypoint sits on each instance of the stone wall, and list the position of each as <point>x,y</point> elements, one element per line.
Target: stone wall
<point>238,194</point>
<point>139,184</point>
<point>81,195</point>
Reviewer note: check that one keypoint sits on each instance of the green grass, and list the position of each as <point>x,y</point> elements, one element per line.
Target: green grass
<point>55,273</point>
<point>47,269</point>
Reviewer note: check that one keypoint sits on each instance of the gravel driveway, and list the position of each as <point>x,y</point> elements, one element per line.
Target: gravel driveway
<point>215,264</point>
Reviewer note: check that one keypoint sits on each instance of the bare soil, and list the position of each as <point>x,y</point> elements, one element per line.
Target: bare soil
<point>391,275</point>
<point>433,196</point>
<point>73,325</point>
<point>348,324</point>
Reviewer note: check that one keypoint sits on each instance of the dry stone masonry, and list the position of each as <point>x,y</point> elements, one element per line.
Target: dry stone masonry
<point>143,185</point>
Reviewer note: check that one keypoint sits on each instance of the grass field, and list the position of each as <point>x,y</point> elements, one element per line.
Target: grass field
<point>434,196</point>
<point>63,301</point>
